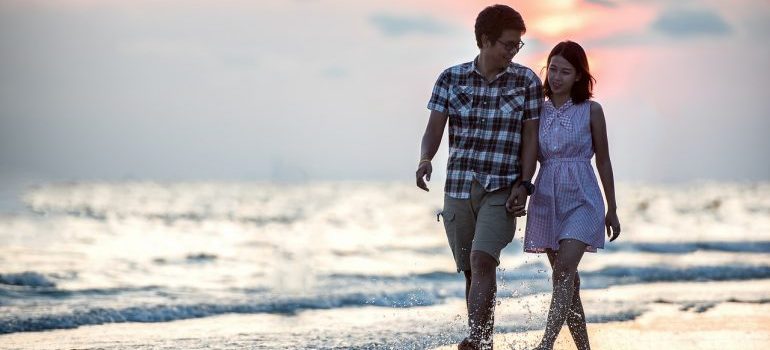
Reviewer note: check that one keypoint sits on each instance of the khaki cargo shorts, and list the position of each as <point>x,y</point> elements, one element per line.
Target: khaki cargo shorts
<point>479,223</point>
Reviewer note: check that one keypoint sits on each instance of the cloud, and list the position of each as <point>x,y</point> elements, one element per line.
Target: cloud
<point>690,23</point>
<point>621,39</point>
<point>535,44</point>
<point>396,26</point>
<point>605,3</point>
<point>335,72</point>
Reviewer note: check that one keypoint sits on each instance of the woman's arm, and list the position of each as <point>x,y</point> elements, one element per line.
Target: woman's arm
<point>604,166</point>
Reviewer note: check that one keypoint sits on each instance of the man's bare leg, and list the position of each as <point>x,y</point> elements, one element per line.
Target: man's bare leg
<point>467,343</point>
<point>480,298</point>
<point>468,280</point>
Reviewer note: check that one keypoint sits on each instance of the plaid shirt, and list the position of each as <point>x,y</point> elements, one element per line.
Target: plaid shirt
<point>485,123</point>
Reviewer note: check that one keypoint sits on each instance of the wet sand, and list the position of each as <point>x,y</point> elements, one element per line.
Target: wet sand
<point>672,315</point>
<point>681,316</point>
<point>726,326</point>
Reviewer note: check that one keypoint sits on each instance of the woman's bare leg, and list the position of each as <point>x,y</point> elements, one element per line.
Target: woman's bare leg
<point>576,319</point>
<point>564,275</point>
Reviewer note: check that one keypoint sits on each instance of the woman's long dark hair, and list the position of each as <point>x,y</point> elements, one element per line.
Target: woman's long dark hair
<point>576,56</point>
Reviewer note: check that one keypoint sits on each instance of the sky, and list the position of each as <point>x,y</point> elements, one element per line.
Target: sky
<point>337,90</point>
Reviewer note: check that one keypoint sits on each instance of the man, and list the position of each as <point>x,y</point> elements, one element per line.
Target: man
<point>492,106</point>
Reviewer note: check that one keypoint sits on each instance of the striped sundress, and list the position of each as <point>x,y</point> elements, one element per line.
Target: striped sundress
<point>567,202</point>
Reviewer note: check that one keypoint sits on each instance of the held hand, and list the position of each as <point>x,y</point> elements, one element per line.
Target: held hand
<point>424,169</point>
<point>517,201</point>
<point>611,222</point>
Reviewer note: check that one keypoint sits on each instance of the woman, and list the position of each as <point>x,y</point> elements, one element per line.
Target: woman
<point>566,212</point>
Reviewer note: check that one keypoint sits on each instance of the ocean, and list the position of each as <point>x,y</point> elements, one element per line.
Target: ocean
<point>335,265</point>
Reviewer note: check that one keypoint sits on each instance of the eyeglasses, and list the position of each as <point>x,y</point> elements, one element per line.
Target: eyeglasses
<point>512,46</point>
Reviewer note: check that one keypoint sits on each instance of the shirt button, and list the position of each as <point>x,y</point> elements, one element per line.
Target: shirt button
<point>483,120</point>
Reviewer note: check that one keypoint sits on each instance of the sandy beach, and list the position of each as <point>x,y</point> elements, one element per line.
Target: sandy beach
<point>728,325</point>
<point>700,315</point>
<point>740,322</point>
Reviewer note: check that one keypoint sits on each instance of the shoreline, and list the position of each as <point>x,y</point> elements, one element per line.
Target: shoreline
<point>681,315</point>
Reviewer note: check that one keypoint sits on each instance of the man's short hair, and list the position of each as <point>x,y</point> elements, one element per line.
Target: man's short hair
<point>494,19</point>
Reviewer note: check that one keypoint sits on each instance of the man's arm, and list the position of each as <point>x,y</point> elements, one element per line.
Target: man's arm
<point>529,149</point>
<point>430,143</point>
<point>533,102</point>
<point>528,160</point>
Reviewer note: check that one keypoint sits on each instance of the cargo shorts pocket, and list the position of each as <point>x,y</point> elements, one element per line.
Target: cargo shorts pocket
<point>450,226</point>
<point>459,240</point>
<point>500,224</point>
